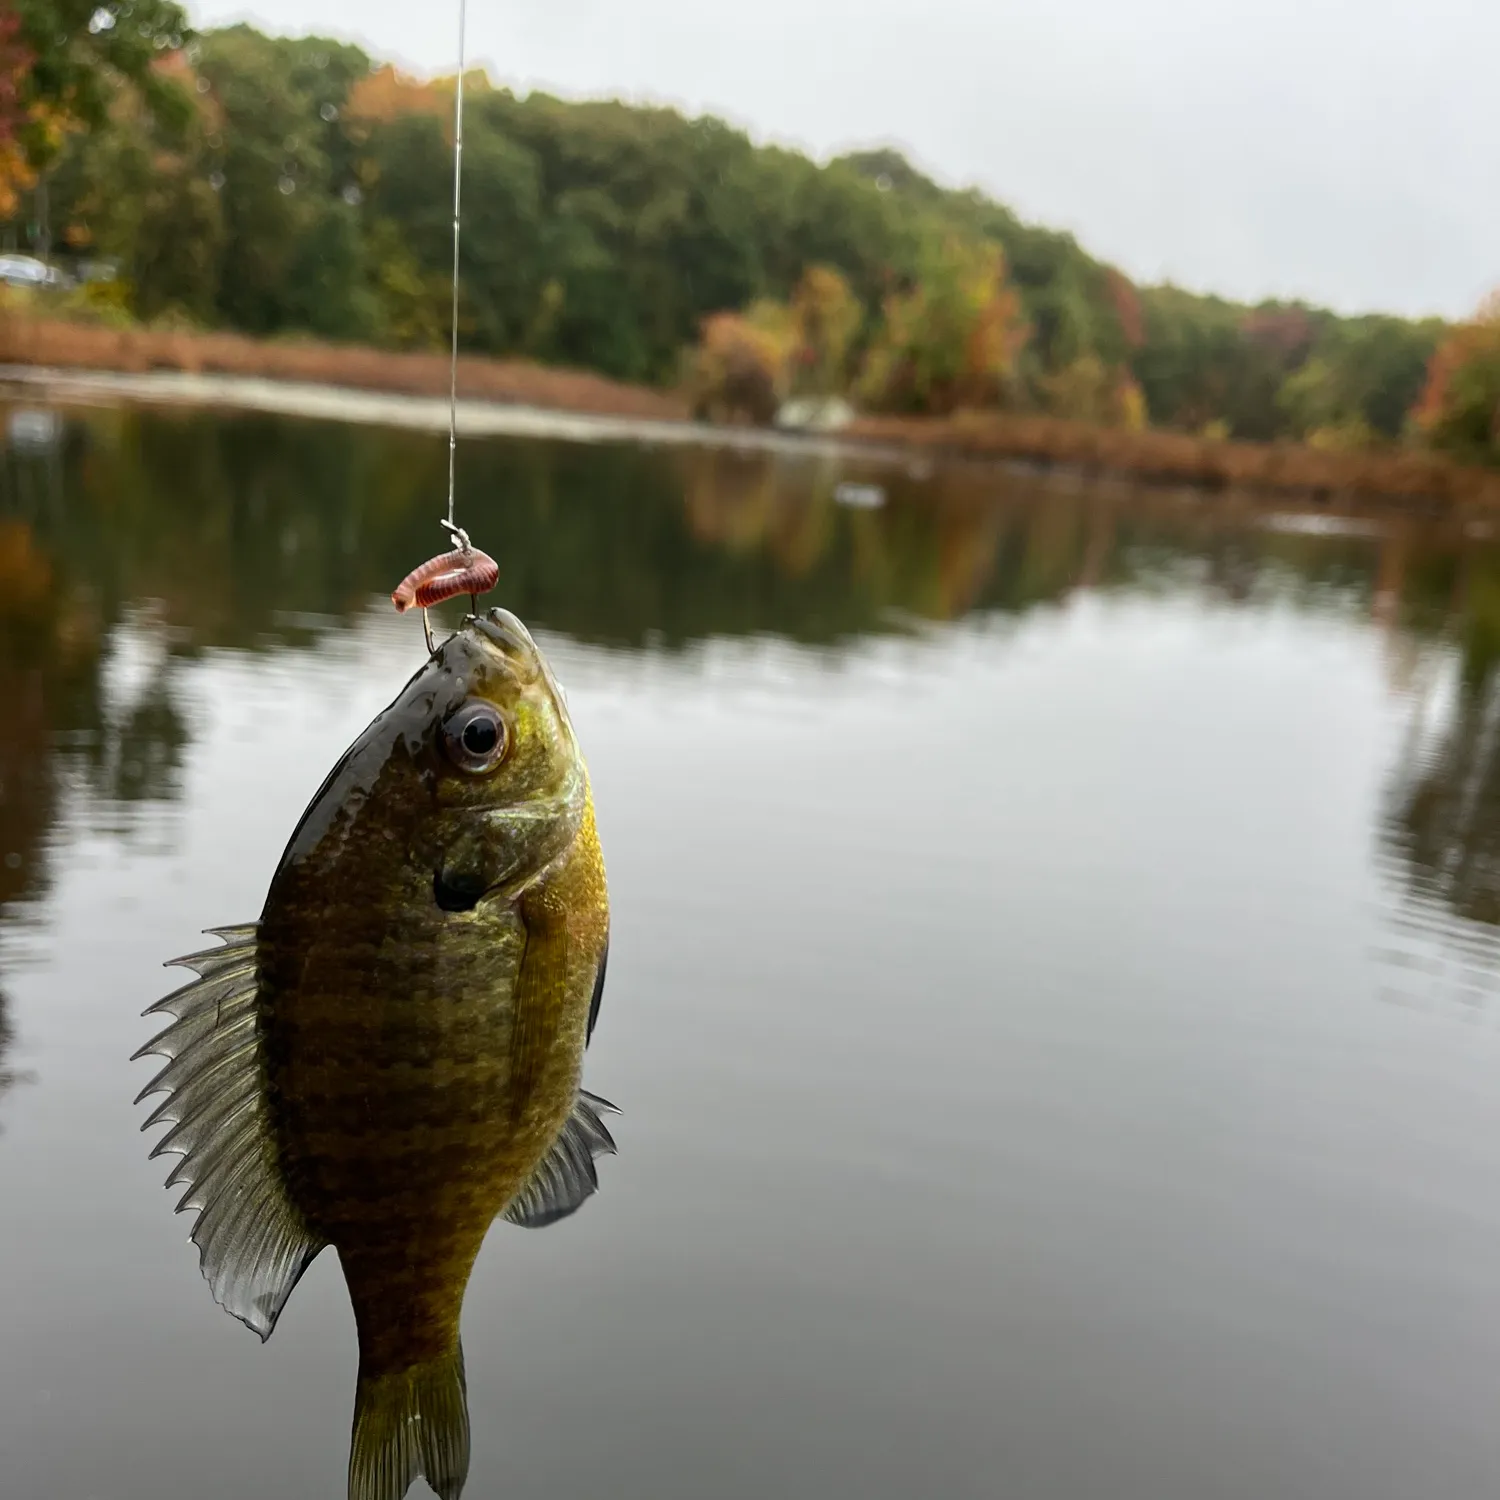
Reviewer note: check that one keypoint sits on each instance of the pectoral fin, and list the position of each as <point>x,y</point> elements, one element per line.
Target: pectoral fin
<point>252,1242</point>
<point>541,995</point>
<point>566,1175</point>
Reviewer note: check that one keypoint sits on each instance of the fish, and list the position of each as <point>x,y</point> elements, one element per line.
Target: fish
<point>391,1057</point>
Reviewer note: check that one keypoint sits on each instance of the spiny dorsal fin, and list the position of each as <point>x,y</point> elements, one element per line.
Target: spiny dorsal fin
<point>253,1244</point>
<point>566,1175</point>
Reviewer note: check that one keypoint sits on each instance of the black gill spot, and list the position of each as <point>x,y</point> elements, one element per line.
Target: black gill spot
<point>457,892</point>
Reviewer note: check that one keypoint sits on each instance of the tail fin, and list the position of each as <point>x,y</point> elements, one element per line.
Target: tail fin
<point>415,1421</point>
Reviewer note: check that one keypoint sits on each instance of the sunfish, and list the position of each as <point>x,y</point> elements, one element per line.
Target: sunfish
<point>391,1057</point>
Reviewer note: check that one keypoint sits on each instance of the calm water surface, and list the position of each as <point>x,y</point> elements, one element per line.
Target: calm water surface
<point>1052,993</point>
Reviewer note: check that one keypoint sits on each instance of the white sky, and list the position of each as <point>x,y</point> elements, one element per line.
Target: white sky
<point>1347,151</point>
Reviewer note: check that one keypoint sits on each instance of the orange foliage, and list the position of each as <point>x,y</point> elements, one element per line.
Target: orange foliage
<point>387,94</point>
<point>998,334</point>
<point>15,64</point>
<point>1126,302</point>
<point>740,366</point>
<point>174,64</point>
<point>25,572</point>
<point>1467,347</point>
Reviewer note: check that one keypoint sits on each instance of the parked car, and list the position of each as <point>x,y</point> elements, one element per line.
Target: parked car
<point>27,270</point>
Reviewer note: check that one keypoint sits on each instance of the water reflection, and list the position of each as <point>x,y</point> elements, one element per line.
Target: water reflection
<point>88,688</point>
<point>48,659</point>
<point>1183,666</point>
<point>131,542</point>
<point>1446,817</point>
<point>7,1075</point>
<point>1441,827</point>
<point>249,532</point>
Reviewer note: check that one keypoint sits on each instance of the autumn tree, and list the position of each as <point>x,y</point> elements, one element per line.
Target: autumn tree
<point>740,370</point>
<point>1088,390</point>
<point>949,340</point>
<point>1460,405</point>
<point>277,185</point>
<point>15,66</point>
<point>827,317</point>
<point>1125,301</point>
<point>385,93</point>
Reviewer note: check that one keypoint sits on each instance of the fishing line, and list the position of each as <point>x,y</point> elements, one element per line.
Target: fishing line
<point>465,570</point>
<point>458,183</point>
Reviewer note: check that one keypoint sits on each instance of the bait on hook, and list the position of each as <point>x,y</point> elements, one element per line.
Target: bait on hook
<point>462,571</point>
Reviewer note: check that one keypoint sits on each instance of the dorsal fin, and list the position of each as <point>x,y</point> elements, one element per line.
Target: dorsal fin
<point>253,1244</point>
<point>566,1176</point>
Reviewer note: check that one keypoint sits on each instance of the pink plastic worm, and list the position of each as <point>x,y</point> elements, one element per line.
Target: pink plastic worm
<point>445,577</point>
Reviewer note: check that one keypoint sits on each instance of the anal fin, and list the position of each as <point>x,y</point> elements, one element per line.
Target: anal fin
<point>253,1244</point>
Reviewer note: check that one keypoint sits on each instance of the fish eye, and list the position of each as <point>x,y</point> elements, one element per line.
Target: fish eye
<point>475,738</point>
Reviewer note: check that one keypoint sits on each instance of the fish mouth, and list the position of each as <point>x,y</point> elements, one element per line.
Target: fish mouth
<point>457,892</point>
<point>503,632</point>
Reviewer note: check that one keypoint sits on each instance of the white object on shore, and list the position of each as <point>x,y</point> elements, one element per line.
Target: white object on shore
<point>815,414</point>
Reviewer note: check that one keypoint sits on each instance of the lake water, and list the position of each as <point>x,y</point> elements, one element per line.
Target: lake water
<point>1052,994</point>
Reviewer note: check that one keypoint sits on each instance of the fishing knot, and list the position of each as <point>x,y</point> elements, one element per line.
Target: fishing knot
<point>460,537</point>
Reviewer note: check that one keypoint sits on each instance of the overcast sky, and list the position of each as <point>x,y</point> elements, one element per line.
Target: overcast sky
<point>1347,151</point>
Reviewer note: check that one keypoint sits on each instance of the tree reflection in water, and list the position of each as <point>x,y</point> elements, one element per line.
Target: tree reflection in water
<point>1440,833</point>
<point>1445,812</point>
<point>145,539</point>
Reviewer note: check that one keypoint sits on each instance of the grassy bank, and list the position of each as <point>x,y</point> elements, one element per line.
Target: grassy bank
<point>1410,477</point>
<point>1407,477</point>
<point>60,344</point>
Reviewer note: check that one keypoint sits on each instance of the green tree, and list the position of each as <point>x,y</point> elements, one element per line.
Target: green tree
<point>143,197</point>
<point>283,210</point>
<point>1363,374</point>
<point>79,49</point>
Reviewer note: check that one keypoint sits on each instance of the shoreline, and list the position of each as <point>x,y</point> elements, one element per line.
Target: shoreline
<point>89,363</point>
<point>416,413</point>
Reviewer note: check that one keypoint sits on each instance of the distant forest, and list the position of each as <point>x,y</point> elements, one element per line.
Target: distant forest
<point>298,187</point>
